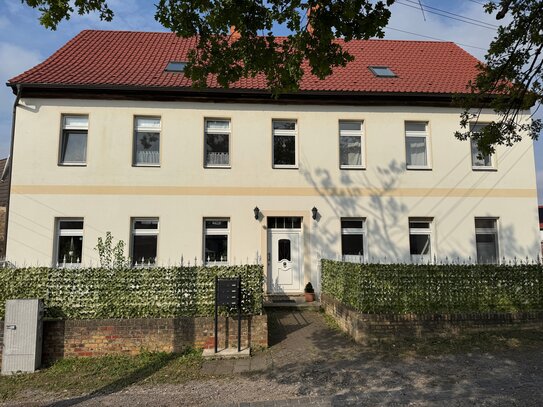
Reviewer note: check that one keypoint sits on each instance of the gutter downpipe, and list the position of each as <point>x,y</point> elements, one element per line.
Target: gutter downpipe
<point>10,159</point>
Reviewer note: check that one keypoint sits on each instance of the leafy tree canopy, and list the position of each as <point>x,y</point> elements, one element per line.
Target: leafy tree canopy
<point>510,80</point>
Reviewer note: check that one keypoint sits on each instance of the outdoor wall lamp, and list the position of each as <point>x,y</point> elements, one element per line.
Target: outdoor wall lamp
<point>257,212</point>
<point>315,211</point>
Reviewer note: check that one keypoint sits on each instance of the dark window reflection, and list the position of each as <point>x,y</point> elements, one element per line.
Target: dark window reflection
<point>284,249</point>
<point>144,249</point>
<point>70,249</point>
<point>284,150</point>
<point>216,248</point>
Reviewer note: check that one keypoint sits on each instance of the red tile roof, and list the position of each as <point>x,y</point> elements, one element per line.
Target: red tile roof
<point>138,59</point>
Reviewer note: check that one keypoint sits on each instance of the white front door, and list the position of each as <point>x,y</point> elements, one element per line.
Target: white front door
<point>285,261</point>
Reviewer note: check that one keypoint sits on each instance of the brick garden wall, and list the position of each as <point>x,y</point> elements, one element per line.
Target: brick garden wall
<point>366,328</point>
<point>80,338</point>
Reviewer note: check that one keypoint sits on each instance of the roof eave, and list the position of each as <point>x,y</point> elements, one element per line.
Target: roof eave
<point>77,91</point>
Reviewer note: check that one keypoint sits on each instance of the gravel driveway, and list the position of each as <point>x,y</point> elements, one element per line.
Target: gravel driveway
<point>310,363</point>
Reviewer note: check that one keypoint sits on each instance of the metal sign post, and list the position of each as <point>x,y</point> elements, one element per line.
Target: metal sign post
<point>227,292</point>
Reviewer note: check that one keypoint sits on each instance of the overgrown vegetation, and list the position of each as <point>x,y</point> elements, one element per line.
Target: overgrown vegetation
<point>416,288</point>
<point>111,256</point>
<point>157,292</point>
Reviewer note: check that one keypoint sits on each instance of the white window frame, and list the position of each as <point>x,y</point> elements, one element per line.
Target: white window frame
<point>143,232</point>
<point>146,129</point>
<point>218,131</point>
<point>77,128</point>
<point>68,232</point>
<point>355,231</point>
<point>216,232</point>
<point>353,133</point>
<point>415,258</point>
<point>488,231</point>
<point>291,133</point>
<point>418,134</point>
<point>473,145</point>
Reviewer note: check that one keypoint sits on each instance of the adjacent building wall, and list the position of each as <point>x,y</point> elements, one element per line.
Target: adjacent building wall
<point>108,191</point>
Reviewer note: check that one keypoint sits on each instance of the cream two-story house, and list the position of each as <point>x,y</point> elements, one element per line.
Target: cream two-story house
<point>362,166</point>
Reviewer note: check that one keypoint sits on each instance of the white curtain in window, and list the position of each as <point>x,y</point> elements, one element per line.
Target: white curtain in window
<point>416,151</point>
<point>351,148</point>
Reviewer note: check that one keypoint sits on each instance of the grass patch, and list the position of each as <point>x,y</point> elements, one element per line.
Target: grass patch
<point>76,376</point>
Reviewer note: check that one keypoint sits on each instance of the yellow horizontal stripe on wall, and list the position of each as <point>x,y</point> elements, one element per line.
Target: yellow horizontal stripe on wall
<point>269,191</point>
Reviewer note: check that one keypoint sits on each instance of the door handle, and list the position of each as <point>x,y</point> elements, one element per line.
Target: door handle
<point>269,258</point>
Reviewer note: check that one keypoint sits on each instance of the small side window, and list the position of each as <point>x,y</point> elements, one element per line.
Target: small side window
<point>73,140</point>
<point>147,141</point>
<point>144,241</point>
<point>479,161</point>
<point>69,242</point>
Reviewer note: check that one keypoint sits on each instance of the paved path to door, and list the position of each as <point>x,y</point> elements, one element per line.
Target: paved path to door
<point>326,368</point>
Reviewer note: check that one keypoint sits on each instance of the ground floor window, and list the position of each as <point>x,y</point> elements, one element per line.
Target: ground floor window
<point>69,242</point>
<point>144,241</point>
<point>353,239</point>
<point>486,240</point>
<point>216,241</point>
<point>420,239</point>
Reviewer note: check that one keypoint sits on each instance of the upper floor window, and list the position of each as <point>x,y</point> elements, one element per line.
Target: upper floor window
<point>285,149</point>
<point>144,241</point>
<point>146,141</point>
<point>351,140</point>
<point>216,237</point>
<point>479,161</point>
<point>73,142</point>
<point>69,242</point>
<point>217,143</point>
<point>353,239</point>
<point>420,239</point>
<point>486,240</point>
<point>416,145</point>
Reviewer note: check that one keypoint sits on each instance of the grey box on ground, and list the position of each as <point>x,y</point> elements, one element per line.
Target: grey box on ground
<point>23,334</point>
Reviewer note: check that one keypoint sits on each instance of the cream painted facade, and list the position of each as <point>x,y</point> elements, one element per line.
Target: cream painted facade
<point>109,190</point>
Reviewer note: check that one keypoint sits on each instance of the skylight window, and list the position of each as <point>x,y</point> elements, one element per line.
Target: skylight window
<point>176,66</point>
<point>382,71</point>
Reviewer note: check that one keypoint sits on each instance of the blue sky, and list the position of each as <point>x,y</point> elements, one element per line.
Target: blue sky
<point>24,43</point>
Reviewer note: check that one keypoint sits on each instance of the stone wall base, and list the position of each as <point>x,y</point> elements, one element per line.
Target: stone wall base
<point>366,328</point>
<point>83,338</point>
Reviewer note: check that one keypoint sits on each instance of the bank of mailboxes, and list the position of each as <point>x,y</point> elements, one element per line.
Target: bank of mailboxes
<point>23,335</point>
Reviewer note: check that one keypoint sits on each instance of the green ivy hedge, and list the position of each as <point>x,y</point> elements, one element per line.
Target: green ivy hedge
<point>453,288</point>
<point>161,292</point>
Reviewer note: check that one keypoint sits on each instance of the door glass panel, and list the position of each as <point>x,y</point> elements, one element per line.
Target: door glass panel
<point>284,249</point>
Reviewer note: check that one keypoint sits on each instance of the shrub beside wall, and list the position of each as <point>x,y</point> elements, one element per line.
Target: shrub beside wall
<point>424,289</point>
<point>96,293</point>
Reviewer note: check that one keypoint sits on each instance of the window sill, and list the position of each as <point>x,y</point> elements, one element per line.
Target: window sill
<point>481,168</point>
<point>72,164</point>
<point>218,166</point>
<point>352,167</point>
<point>418,168</point>
<point>146,165</point>
<point>285,167</point>
<point>216,263</point>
